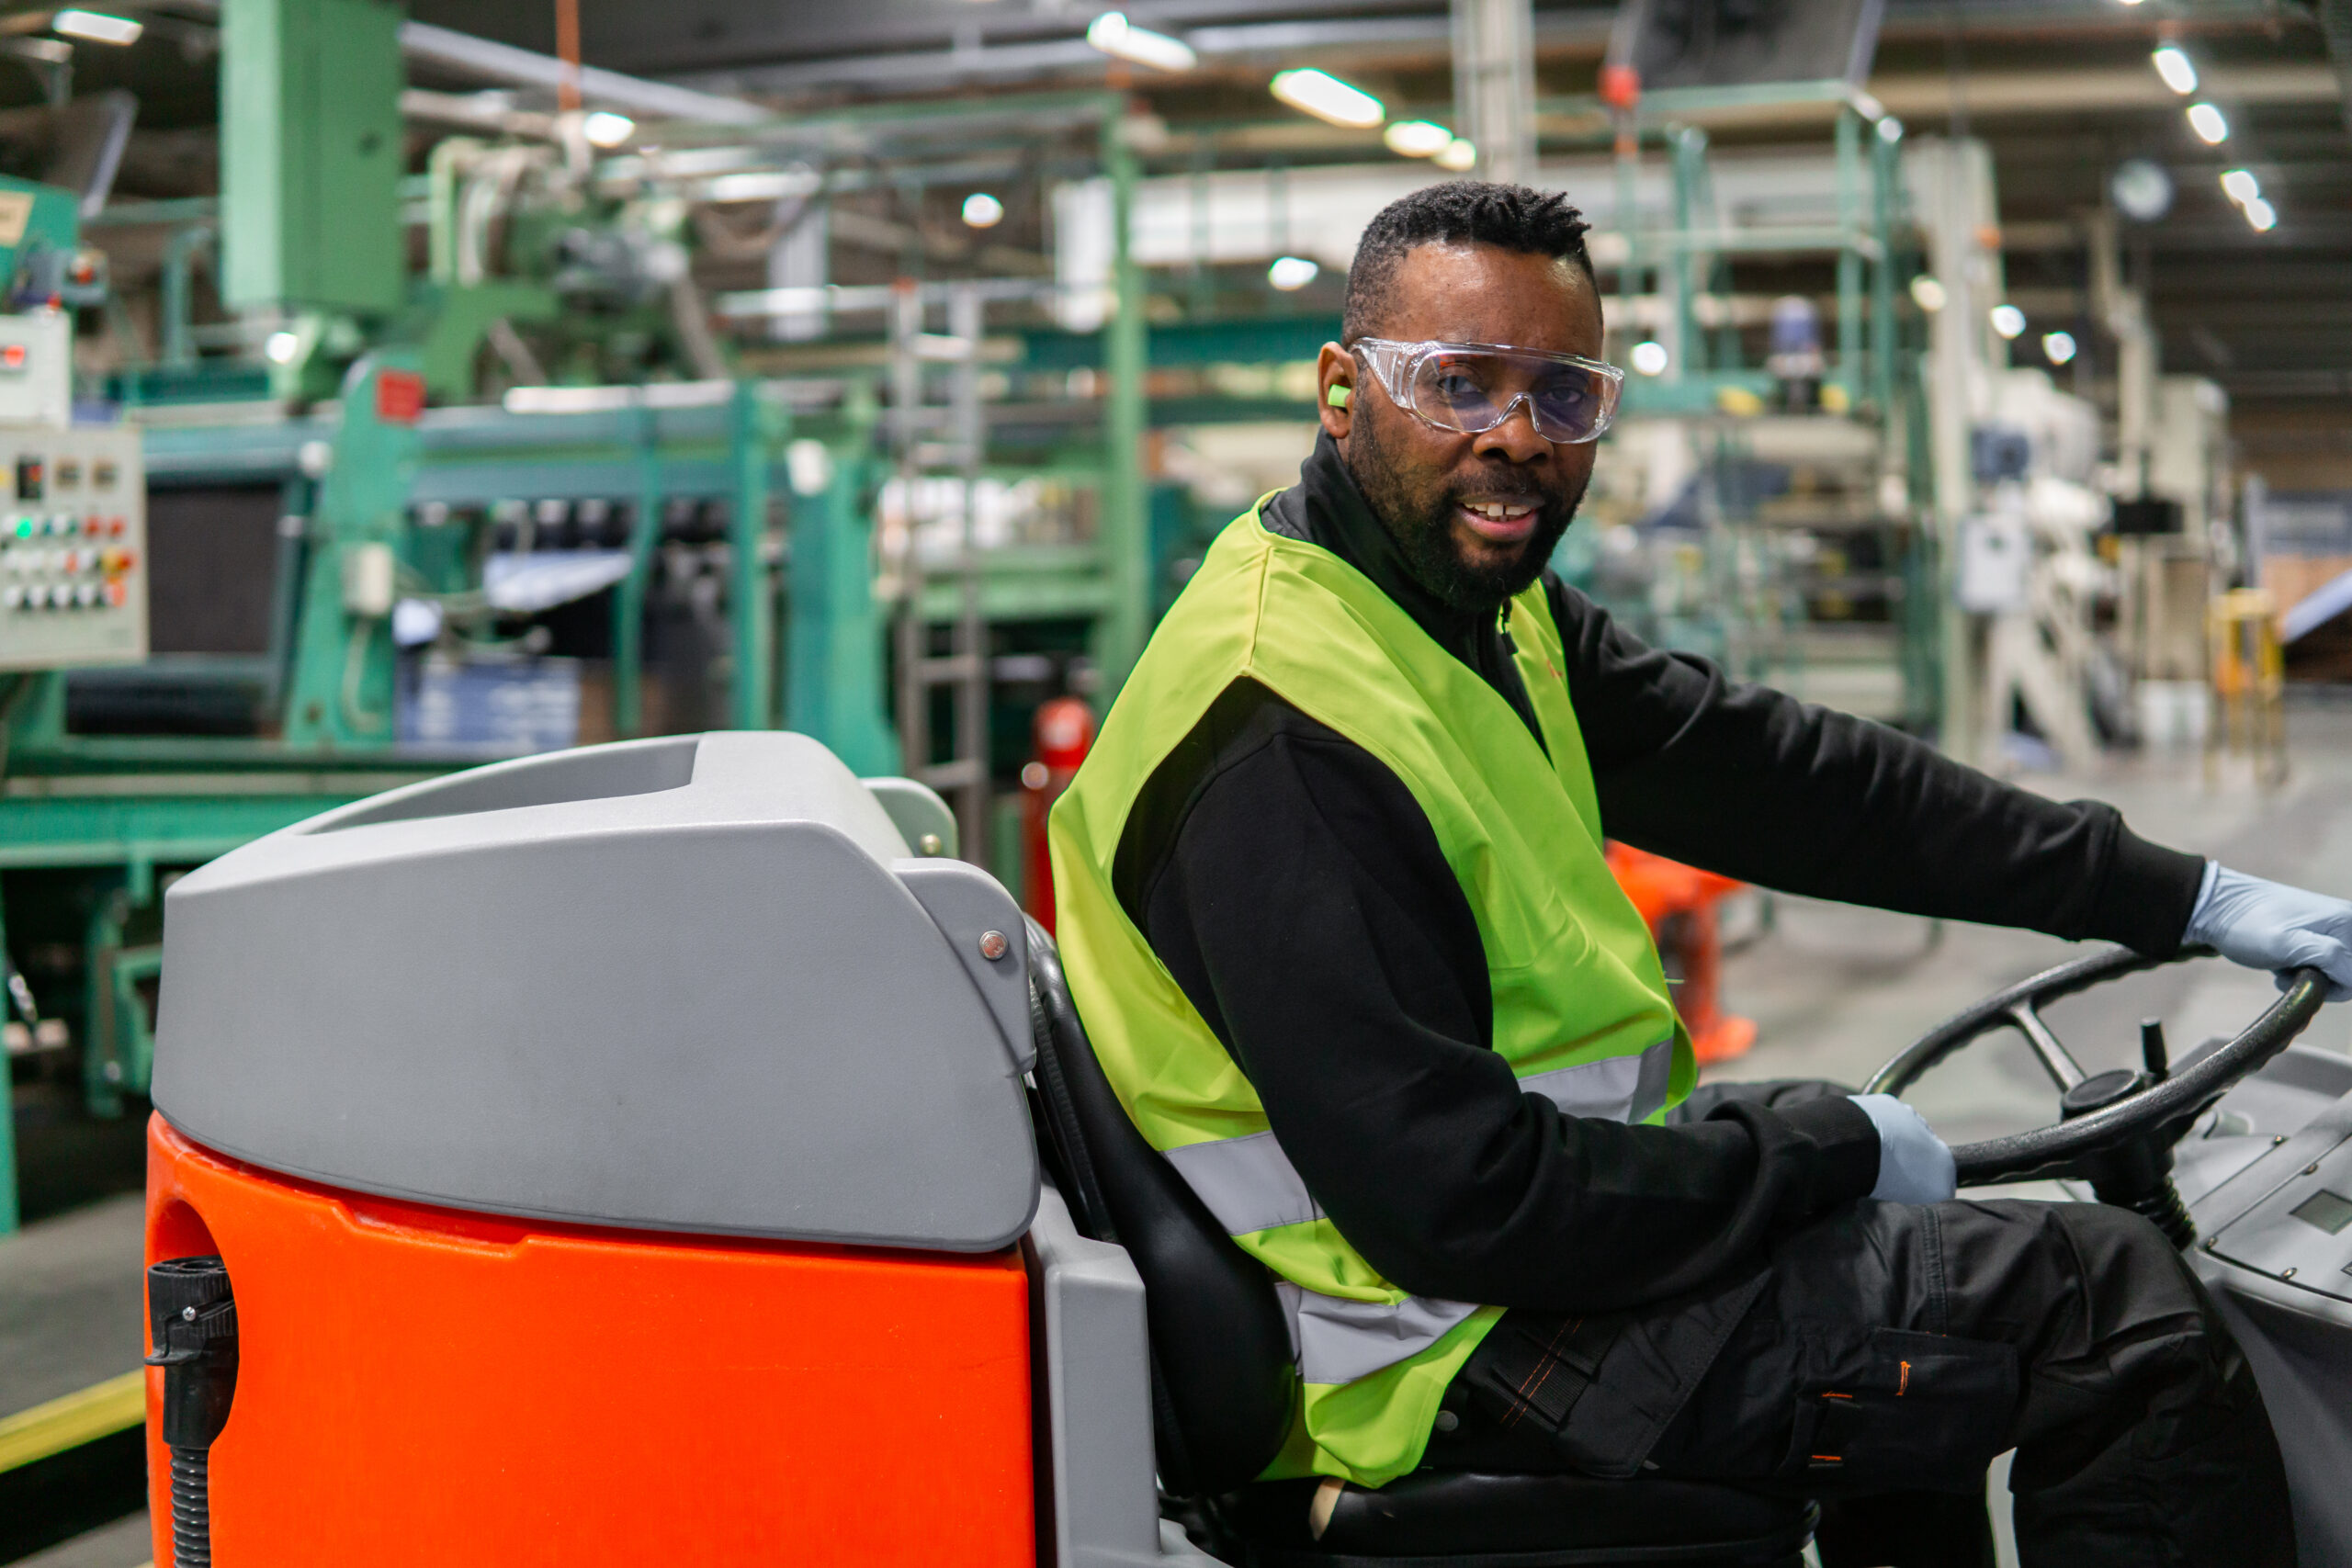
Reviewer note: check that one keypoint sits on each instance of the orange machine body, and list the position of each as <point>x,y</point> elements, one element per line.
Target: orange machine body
<point>1680,903</point>
<point>420,1385</point>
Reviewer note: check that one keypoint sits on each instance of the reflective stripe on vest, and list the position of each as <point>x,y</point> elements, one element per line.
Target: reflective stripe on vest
<point>1250,1184</point>
<point>1338,1339</point>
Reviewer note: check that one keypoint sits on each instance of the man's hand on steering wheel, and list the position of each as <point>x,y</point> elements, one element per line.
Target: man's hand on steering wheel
<point>1914,1165</point>
<point>2268,925</point>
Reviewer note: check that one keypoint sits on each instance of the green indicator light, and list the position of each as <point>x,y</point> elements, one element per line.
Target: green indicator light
<point>24,527</point>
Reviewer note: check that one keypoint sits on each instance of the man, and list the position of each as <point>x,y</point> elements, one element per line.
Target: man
<point>1334,908</point>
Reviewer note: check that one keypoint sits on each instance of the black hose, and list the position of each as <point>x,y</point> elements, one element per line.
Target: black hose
<point>194,1319</point>
<point>191,1507</point>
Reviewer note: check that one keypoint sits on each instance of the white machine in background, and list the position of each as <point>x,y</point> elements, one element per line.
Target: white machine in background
<point>73,567</point>
<point>2027,563</point>
<point>2168,577</point>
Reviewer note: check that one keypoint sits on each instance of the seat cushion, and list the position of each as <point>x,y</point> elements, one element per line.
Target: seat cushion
<point>1432,1517</point>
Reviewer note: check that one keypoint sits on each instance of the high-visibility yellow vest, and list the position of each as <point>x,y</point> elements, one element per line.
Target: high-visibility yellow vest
<point>1580,1004</point>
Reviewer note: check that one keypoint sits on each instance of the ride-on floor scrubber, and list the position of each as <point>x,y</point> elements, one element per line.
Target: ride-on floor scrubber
<point>633,1154</point>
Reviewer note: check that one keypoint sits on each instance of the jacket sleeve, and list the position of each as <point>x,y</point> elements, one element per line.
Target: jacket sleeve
<point>1746,781</point>
<point>1306,909</point>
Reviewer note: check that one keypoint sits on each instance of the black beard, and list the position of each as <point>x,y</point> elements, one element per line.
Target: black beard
<point>1422,525</point>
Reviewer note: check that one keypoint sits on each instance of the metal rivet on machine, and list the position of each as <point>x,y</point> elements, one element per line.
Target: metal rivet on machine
<point>2286,1273</point>
<point>2277,1139</point>
<point>930,843</point>
<point>2312,1169</point>
<point>993,946</point>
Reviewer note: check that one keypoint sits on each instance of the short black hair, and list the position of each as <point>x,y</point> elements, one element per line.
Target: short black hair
<point>1517,218</point>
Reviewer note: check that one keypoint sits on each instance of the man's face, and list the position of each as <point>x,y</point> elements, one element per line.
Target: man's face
<point>1436,491</point>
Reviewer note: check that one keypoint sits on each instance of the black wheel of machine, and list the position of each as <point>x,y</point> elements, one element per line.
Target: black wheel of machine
<point>2116,1128</point>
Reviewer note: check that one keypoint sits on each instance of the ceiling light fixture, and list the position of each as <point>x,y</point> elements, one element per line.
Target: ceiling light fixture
<point>2008,321</point>
<point>1291,273</point>
<point>1927,293</point>
<point>2178,70</point>
<point>98,26</point>
<point>2240,186</point>
<point>2262,215</point>
<point>1460,155</point>
<point>1417,137</point>
<point>2207,122</point>
<point>982,210</point>
<point>1326,97</point>
<point>1115,36</point>
<point>1648,357</point>
<point>2058,347</point>
<point>605,129</point>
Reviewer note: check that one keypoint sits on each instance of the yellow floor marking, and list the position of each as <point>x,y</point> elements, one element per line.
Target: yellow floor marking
<point>99,1411</point>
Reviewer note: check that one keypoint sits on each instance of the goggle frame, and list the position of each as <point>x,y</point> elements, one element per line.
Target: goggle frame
<point>1396,364</point>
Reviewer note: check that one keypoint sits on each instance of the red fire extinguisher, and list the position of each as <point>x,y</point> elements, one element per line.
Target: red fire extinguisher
<point>1064,729</point>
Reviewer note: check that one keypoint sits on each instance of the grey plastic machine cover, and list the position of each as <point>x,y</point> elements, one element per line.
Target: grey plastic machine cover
<point>694,984</point>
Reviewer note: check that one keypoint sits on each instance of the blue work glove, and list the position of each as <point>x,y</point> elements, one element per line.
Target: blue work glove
<point>2268,925</point>
<point>1914,1165</point>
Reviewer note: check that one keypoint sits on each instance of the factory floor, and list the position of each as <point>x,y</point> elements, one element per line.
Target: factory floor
<point>1834,990</point>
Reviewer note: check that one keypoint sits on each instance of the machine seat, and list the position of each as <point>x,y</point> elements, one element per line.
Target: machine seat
<point>1224,1388</point>
<point>1454,1518</point>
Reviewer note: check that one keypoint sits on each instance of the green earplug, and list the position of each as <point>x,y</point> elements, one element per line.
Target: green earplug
<point>1337,397</point>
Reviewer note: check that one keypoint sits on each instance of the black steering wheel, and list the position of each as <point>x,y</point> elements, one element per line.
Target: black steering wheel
<point>2117,1129</point>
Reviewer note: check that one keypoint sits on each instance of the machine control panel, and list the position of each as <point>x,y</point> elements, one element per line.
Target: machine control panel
<point>72,547</point>
<point>2299,1231</point>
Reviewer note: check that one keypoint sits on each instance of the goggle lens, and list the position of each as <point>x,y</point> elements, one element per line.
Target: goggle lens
<point>1473,391</point>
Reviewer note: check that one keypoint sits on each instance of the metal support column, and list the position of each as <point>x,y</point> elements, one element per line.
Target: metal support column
<point>340,695</point>
<point>180,251</point>
<point>630,594</point>
<point>910,638</point>
<point>1886,186</point>
<point>1630,279</point>
<point>969,437</point>
<point>962,775</point>
<point>1125,537</point>
<point>1494,85</point>
<point>753,590</point>
<point>834,659</point>
<point>1849,258</point>
<point>1687,349</point>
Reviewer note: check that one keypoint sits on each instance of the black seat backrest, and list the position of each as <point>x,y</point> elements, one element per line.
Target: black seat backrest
<point>1223,1384</point>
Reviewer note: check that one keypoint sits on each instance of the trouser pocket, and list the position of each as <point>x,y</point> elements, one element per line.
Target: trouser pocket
<point>1906,1410</point>
<point>1531,1368</point>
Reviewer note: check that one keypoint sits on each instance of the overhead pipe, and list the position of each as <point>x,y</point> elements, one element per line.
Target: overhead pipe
<point>496,61</point>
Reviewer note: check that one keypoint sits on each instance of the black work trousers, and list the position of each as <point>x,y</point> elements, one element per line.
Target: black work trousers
<point>1887,1354</point>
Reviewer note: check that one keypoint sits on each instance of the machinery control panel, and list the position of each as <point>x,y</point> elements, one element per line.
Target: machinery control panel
<point>72,547</point>
<point>2299,1231</point>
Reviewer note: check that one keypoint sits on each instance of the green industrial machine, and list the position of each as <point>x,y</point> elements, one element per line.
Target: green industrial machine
<point>311,154</point>
<point>893,498</point>
<point>41,257</point>
<point>434,494</point>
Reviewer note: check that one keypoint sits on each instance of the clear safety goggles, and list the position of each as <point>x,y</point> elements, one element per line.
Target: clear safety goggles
<point>1473,387</point>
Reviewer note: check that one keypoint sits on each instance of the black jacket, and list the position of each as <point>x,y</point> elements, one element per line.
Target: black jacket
<point>1296,893</point>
